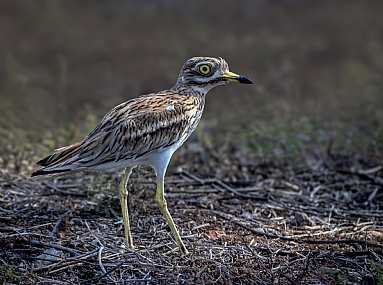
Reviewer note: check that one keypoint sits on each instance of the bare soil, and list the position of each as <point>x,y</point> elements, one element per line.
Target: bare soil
<point>317,68</point>
<point>243,223</point>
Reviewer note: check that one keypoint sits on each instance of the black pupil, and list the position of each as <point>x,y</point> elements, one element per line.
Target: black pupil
<point>204,69</point>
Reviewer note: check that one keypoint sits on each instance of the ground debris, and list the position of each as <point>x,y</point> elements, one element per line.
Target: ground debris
<point>273,225</point>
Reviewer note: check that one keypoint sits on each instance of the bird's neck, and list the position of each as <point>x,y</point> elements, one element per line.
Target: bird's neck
<point>191,90</point>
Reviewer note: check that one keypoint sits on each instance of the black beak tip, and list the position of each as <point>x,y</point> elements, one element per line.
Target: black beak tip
<point>244,80</point>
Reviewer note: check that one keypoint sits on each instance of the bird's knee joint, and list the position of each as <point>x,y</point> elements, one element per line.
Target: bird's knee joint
<point>123,190</point>
<point>161,202</point>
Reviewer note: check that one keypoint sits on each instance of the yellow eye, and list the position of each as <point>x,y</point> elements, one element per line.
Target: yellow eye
<point>204,69</point>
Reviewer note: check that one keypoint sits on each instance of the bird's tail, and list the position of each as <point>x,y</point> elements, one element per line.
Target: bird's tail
<point>60,161</point>
<point>42,171</point>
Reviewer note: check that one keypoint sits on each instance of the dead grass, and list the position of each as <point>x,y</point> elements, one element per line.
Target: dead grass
<point>280,185</point>
<point>242,223</point>
<point>318,75</point>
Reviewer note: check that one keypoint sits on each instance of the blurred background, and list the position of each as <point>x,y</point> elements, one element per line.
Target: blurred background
<point>317,68</point>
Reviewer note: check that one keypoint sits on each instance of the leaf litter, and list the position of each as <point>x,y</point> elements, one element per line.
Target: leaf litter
<point>243,223</point>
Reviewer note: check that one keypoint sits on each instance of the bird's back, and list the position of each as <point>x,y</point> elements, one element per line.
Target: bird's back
<point>130,133</point>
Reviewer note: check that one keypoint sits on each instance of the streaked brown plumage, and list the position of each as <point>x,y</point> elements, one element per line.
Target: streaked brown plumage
<point>130,131</point>
<point>145,130</point>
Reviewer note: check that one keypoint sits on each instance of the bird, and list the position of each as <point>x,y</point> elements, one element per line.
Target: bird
<point>146,130</point>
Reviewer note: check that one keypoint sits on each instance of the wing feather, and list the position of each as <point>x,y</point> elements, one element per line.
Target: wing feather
<point>130,131</point>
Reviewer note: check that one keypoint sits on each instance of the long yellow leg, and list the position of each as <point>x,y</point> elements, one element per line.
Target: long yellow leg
<point>124,206</point>
<point>164,209</point>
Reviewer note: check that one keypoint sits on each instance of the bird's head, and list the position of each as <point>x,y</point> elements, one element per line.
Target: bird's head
<point>203,73</point>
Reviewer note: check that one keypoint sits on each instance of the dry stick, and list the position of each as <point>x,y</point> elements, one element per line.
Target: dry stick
<point>5,254</point>
<point>373,194</point>
<point>67,265</point>
<point>358,214</point>
<point>281,252</point>
<point>287,277</point>
<point>148,259</point>
<point>217,182</point>
<point>181,182</point>
<point>37,242</point>
<point>308,210</point>
<point>69,259</point>
<point>54,230</point>
<point>96,279</point>
<point>82,256</point>
<point>371,170</point>
<point>79,194</point>
<point>101,265</point>
<point>227,187</point>
<point>13,211</point>
<point>99,259</point>
<point>145,281</point>
<point>219,265</point>
<point>71,263</point>
<point>323,233</point>
<point>75,276</point>
<point>6,211</point>
<point>86,223</point>
<point>330,214</point>
<point>360,174</point>
<point>305,269</point>
<point>314,241</point>
<point>52,281</point>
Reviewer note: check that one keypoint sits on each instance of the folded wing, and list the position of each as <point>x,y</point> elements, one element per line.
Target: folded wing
<point>128,132</point>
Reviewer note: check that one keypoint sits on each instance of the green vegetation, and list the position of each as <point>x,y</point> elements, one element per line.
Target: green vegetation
<point>106,191</point>
<point>318,80</point>
<point>379,271</point>
<point>10,273</point>
<point>317,72</point>
<point>280,140</point>
<point>340,276</point>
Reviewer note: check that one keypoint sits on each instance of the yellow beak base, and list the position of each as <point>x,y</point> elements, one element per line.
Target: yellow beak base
<point>233,77</point>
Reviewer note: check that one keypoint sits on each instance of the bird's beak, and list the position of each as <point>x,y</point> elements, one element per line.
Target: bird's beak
<point>232,77</point>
